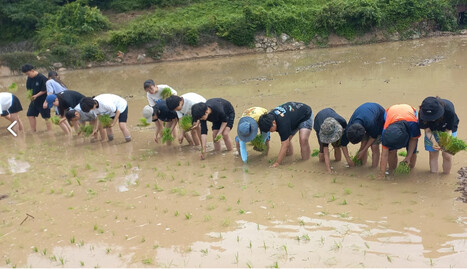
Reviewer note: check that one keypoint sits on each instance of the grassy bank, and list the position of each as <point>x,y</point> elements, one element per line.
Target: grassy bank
<point>77,33</point>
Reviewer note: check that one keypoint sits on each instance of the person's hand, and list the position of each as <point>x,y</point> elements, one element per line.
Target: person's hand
<point>405,160</point>
<point>94,132</point>
<point>274,165</point>
<point>360,155</point>
<point>436,146</point>
<point>180,139</point>
<point>218,137</point>
<point>44,106</point>
<point>156,139</point>
<point>33,97</point>
<point>351,164</point>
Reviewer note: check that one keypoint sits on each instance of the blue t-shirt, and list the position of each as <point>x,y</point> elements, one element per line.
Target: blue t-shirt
<point>323,115</point>
<point>371,117</point>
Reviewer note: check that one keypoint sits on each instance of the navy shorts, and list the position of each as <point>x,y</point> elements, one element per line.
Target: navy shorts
<point>15,105</point>
<point>123,115</point>
<point>33,111</point>
<point>230,121</point>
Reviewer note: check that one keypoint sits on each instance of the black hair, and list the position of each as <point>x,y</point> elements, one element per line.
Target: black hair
<point>173,101</point>
<point>70,114</point>
<point>27,67</point>
<point>355,133</point>
<point>265,122</point>
<point>148,83</point>
<point>198,110</point>
<point>87,103</point>
<point>53,75</point>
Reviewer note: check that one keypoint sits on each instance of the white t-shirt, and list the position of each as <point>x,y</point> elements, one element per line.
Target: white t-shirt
<point>53,87</point>
<point>154,97</point>
<point>6,100</point>
<point>189,99</point>
<point>109,104</point>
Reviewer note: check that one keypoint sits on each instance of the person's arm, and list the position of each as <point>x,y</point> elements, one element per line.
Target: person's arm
<point>158,131</point>
<point>282,152</point>
<point>34,97</point>
<point>410,151</point>
<point>384,161</point>
<point>327,160</point>
<point>367,145</point>
<point>221,130</point>
<point>432,139</point>
<point>345,150</point>
<point>117,114</point>
<point>203,146</point>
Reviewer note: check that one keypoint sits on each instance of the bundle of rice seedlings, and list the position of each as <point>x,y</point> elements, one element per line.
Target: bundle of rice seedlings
<point>218,137</point>
<point>355,160</point>
<point>143,122</point>
<point>13,87</point>
<point>450,144</point>
<point>186,122</point>
<point>105,120</point>
<point>315,153</point>
<point>403,153</point>
<point>258,143</point>
<point>167,135</point>
<point>402,169</point>
<point>55,119</point>
<point>86,129</point>
<point>29,94</point>
<point>166,93</point>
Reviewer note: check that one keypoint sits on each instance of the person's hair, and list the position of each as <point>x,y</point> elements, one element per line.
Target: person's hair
<point>148,83</point>
<point>173,101</point>
<point>265,122</point>
<point>70,114</point>
<point>53,75</point>
<point>355,133</point>
<point>198,110</point>
<point>27,67</point>
<point>87,103</point>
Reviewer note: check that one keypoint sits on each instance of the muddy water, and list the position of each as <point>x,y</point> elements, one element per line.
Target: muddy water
<point>73,203</point>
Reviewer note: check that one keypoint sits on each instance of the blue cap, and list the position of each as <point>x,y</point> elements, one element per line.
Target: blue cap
<point>395,136</point>
<point>247,129</point>
<point>50,100</point>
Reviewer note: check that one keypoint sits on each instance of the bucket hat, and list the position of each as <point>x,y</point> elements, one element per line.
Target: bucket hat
<point>147,113</point>
<point>330,131</point>
<point>395,136</point>
<point>431,109</point>
<point>247,129</point>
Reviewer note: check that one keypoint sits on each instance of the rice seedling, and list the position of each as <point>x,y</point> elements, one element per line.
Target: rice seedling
<point>450,144</point>
<point>403,153</point>
<point>402,169</point>
<point>143,239</point>
<point>347,191</point>
<point>105,120</point>
<point>155,246</point>
<point>86,129</point>
<point>72,240</point>
<point>55,119</point>
<point>258,143</point>
<point>166,93</point>
<point>249,265</point>
<point>62,260</point>
<point>355,160</point>
<point>207,218</point>
<point>241,211</point>
<point>147,261</point>
<point>236,258</point>
<point>389,258</point>
<point>285,249</point>
<point>186,122</point>
<point>143,122</point>
<point>205,251</point>
<point>188,216</point>
<point>13,87</point>
<point>344,202</point>
<point>218,137</point>
<point>315,153</point>
<point>290,185</point>
<point>167,135</point>
<point>275,265</point>
<point>35,249</point>
<point>44,251</point>
<point>29,94</point>
<point>81,263</point>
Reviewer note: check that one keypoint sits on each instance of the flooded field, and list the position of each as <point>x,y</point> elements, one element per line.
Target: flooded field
<point>67,202</point>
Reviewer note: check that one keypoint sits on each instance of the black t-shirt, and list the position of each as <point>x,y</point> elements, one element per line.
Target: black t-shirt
<point>68,99</point>
<point>162,111</point>
<point>449,121</point>
<point>288,116</point>
<point>37,84</point>
<point>324,114</point>
<point>221,109</point>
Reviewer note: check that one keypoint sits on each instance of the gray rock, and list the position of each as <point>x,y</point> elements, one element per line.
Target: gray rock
<point>57,65</point>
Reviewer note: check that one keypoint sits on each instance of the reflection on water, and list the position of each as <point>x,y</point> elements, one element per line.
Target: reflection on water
<point>116,204</point>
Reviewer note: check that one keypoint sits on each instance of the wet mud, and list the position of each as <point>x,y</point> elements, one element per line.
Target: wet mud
<point>67,202</point>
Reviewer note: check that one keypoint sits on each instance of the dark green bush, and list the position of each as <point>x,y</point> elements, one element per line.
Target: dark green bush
<point>191,37</point>
<point>92,52</point>
<point>15,60</point>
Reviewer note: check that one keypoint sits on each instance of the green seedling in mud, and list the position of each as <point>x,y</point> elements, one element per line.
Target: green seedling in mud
<point>188,216</point>
<point>35,249</point>
<point>403,153</point>
<point>389,258</point>
<point>402,169</point>
<point>73,171</point>
<point>44,251</point>
<point>62,260</point>
<point>226,223</point>
<point>285,249</point>
<point>86,129</point>
<point>72,240</point>
<point>176,213</point>
<point>290,185</point>
<point>315,153</point>
<point>105,120</point>
<point>186,122</point>
<point>241,211</point>
<point>450,144</point>
<point>205,251</point>
<point>81,263</point>
<point>344,202</point>
<point>236,258</point>
<point>166,93</point>
<point>147,261</point>
<point>218,137</point>
<point>13,87</point>
<point>143,122</point>
<point>347,191</point>
<point>275,265</point>
<point>355,160</point>
<point>55,119</point>
<point>167,135</point>
<point>143,239</point>
<point>207,218</point>
<point>29,95</point>
<point>258,143</point>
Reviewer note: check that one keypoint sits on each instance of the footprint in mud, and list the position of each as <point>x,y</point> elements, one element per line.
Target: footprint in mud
<point>17,166</point>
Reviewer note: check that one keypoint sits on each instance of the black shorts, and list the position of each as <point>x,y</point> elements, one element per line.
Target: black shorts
<point>230,122</point>
<point>123,115</point>
<point>33,111</point>
<point>15,105</point>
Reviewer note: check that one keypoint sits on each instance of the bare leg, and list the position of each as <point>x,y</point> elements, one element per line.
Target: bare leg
<point>365,154</point>
<point>125,131</point>
<point>188,138</point>
<point>337,154</point>
<point>434,161</point>
<point>32,123</point>
<point>304,135</point>
<point>227,140</point>
<point>217,145</point>
<point>48,124</point>
<point>392,160</point>
<point>196,135</point>
<point>110,133</point>
<point>413,161</point>
<point>447,163</point>
<point>65,127</point>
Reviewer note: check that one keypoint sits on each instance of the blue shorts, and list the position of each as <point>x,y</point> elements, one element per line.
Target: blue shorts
<point>308,124</point>
<point>429,145</point>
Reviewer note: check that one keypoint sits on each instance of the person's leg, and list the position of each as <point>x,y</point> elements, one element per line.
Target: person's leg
<point>447,163</point>
<point>392,160</point>
<point>434,161</point>
<point>217,145</point>
<point>125,131</point>
<point>19,125</point>
<point>365,154</point>
<point>32,123</point>
<point>413,161</point>
<point>290,148</point>
<point>227,140</point>
<point>375,155</point>
<point>321,152</point>
<point>195,135</point>
<point>64,127</point>
<point>337,154</point>
<point>188,138</point>
<point>304,135</point>
<point>237,145</point>
<point>110,133</point>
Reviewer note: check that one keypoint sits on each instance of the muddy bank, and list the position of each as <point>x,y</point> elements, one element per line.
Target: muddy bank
<point>462,188</point>
<point>262,44</point>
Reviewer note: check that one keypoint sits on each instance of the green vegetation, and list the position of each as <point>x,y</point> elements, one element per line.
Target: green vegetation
<point>166,93</point>
<point>403,153</point>
<point>402,169</point>
<point>186,122</point>
<point>77,32</point>
<point>218,137</point>
<point>13,87</point>
<point>29,94</point>
<point>143,122</point>
<point>105,120</point>
<point>355,160</point>
<point>450,144</point>
<point>55,119</point>
<point>258,143</point>
<point>315,153</point>
<point>86,129</point>
<point>167,135</point>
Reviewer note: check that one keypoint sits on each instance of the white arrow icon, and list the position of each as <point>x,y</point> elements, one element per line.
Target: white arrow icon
<point>11,126</point>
